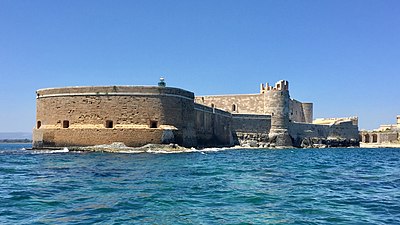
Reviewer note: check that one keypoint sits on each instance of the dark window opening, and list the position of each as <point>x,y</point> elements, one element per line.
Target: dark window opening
<point>39,124</point>
<point>234,108</point>
<point>374,138</point>
<point>153,124</point>
<point>366,138</point>
<point>212,105</point>
<point>109,124</point>
<point>65,124</point>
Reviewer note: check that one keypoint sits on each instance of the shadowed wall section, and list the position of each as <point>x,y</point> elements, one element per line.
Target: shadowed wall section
<point>213,127</point>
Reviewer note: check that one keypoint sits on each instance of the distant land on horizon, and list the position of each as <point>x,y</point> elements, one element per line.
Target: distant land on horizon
<point>15,135</point>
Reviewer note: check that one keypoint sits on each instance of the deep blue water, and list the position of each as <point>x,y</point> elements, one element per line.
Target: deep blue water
<point>300,186</point>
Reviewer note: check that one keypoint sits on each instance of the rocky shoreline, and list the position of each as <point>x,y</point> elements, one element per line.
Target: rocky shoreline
<point>119,147</point>
<point>258,140</point>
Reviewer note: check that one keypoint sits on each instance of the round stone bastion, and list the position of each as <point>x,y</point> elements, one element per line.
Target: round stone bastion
<point>134,115</point>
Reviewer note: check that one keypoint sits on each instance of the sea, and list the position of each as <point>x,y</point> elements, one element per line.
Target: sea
<point>211,186</point>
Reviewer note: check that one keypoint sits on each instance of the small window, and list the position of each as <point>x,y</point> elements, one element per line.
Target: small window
<point>212,105</point>
<point>374,138</point>
<point>153,124</point>
<point>109,124</point>
<point>366,138</point>
<point>39,124</point>
<point>233,108</point>
<point>65,124</point>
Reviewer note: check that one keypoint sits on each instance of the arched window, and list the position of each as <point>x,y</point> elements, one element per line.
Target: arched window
<point>39,124</point>
<point>212,105</point>
<point>374,138</point>
<point>366,138</point>
<point>234,108</point>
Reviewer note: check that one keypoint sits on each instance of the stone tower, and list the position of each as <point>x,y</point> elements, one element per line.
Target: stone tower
<point>276,100</point>
<point>308,112</point>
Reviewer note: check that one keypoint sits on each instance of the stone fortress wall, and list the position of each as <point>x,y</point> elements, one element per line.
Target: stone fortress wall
<point>291,121</point>
<point>213,126</point>
<point>341,134</point>
<point>262,103</point>
<point>138,115</point>
<point>81,116</point>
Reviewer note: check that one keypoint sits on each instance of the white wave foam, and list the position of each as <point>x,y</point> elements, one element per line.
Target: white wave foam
<point>202,151</point>
<point>64,150</point>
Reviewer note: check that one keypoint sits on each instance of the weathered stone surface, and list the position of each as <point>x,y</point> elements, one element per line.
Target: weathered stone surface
<point>321,142</point>
<point>82,116</point>
<point>136,116</point>
<point>167,137</point>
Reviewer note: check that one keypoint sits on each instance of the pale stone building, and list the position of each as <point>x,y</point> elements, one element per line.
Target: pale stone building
<point>385,134</point>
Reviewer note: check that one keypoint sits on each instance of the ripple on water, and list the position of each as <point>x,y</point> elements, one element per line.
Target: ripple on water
<point>310,186</point>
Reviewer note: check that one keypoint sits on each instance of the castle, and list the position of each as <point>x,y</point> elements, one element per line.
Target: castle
<point>138,115</point>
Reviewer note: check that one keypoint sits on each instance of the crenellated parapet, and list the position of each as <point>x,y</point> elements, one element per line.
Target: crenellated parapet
<point>281,85</point>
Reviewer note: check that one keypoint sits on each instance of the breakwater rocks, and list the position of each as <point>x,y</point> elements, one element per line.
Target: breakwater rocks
<point>316,142</point>
<point>119,147</point>
<point>244,141</point>
<point>262,140</point>
<point>252,140</point>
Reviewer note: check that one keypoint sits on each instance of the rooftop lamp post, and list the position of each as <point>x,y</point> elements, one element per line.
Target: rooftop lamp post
<point>162,82</point>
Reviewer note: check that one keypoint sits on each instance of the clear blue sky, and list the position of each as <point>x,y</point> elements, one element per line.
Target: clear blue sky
<point>344,56</point>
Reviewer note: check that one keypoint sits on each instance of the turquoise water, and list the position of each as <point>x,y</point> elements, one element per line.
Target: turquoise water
<point>301,186</point>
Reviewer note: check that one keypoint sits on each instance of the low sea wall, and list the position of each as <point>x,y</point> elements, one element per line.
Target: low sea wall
<point>251,129</point>
<point>342,134</point>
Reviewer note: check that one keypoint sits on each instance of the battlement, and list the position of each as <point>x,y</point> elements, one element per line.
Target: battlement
<point>281,85</point>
